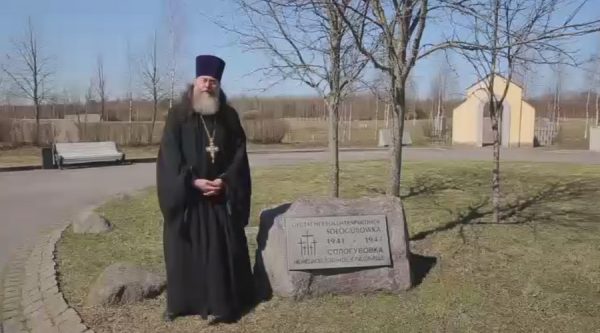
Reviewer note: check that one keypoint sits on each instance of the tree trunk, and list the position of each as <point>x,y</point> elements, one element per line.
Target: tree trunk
<point>334,166</point>
<point>37,124</point>
<point>376,118</point>
<point>155,109</point>
<point>130,119</point>
<point>350,124</point>
<point>85,120</point>
<point>78,112</point>
<point>496,170</point>
<point>172,83</point>
<point>398,129</point>
<point>387,116</point>
<point>597,107</point>
<point>587,115</point>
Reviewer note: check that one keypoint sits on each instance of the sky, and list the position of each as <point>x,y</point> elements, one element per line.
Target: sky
<point>74,33</point>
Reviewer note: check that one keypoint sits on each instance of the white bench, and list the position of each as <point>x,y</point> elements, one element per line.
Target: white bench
<point>86,152</point>
<point>385,138</point>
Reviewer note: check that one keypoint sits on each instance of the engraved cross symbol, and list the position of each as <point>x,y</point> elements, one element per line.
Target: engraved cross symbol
<point>212,149</point>
<point>308,245</point>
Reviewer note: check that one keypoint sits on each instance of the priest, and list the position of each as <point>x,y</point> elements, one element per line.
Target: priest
<point>204,190</point>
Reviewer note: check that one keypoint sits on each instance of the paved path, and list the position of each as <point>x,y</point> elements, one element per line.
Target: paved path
<point>34,202</point>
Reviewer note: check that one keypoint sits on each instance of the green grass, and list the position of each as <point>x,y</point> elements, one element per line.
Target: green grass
<point>25,155</point>
<point>539,272</point>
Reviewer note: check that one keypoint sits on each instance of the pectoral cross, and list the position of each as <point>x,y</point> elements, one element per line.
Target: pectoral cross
<point>212,149</point>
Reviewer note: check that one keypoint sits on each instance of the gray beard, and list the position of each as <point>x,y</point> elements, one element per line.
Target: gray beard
<point>205,103</point>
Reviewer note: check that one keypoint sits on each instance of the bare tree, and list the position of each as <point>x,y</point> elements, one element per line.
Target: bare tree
<point>152,81</point>
<point>412,95</point>
<point>129,93</point>
<point>101,88</point>
<point>176,25</point>
<point>5,93</point>
<point>558,70</point>
<point>307,41</point>
<point>30,71</point>
<point>596,84</point>
<point>597,123</point>
<point>597,108</point>
<point>439,93</point>
<point>389,34</point>
<point>89,99</point>
<point>590,81</point>
<point>66,100</point>
<point>510,33</point>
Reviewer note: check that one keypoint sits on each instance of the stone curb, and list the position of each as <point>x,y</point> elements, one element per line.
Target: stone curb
<point>11,317</point>
<point>32,300</point>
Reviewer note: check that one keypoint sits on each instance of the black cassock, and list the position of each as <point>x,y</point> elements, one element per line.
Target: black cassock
<point>205,247</point>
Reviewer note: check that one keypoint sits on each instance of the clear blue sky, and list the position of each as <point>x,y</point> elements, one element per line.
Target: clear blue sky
<point>75,32</point>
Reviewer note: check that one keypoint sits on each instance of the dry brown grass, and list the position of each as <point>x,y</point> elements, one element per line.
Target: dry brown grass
<point>22,131</point>
<point>21,156</point>
<point>538,273</point>
<point>265,130</point>
<point>571,134</point>
<point>356,133</point>
<point>123,133</point>
<point>299,133</point>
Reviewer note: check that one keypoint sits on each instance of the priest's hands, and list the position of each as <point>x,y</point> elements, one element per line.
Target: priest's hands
<point>209,188</point>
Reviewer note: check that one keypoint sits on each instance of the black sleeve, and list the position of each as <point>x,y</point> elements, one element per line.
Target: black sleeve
<point>237,175</point>
<point>173,175</point>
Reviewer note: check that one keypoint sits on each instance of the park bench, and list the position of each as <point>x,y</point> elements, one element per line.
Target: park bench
<point>385,138</point>
<point>86,152</point>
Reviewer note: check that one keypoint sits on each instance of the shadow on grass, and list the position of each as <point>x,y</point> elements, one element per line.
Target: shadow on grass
<point>423,185</point>
<point>542,206</point>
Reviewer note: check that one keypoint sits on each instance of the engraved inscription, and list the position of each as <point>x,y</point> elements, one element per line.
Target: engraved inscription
<point>337,241</point>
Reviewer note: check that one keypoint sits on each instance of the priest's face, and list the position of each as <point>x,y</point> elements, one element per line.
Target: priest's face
<point>206,95</point>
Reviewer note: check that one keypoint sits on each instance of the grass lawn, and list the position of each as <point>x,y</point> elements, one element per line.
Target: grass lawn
<point>540,272</point>
<point>571,135</point>
<point>25,155</point>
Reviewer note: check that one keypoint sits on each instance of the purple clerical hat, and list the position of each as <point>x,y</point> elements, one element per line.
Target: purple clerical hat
<point>209,65</point>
